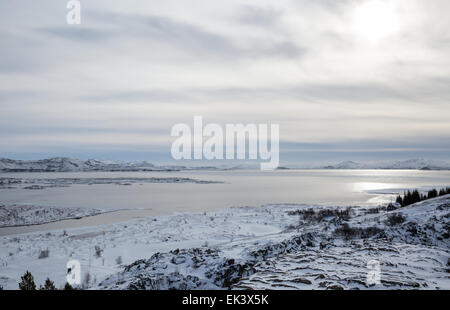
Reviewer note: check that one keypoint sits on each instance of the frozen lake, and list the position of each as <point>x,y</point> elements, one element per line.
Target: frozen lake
<point>239,188</point>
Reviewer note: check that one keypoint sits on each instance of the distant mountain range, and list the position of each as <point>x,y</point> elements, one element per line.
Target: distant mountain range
<point>65,164</point>
<point>417,164</point>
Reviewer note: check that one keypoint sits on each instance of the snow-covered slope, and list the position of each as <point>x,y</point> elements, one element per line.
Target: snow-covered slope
<point>326,249</point>
<point>268,247</point>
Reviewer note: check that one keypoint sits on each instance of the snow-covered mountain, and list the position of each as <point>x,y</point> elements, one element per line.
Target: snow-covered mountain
<point>419,164</point>
<point>345,165</point>
<point>64,164</point>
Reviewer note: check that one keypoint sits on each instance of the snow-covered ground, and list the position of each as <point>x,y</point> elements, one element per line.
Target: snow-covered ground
<point>272,246</point>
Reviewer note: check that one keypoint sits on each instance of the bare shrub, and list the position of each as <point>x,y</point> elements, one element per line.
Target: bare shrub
<point>395,219</point>
<point>44,254</point>
<point>312,216</point>
<point>372,211</point>
<point>349,232</point>
<point>119,260</point>
<point>98,251</point>
<point>86,280</point>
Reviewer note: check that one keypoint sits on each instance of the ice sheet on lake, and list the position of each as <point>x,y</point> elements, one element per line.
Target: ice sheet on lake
<point>41,183</point>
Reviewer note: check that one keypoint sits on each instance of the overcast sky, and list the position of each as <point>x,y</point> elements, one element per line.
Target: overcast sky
<point>345,79</point>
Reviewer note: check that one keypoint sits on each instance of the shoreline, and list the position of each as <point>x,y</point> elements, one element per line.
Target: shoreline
<point>75,223</point>
<point>108,218</point>
<point>60,220</point>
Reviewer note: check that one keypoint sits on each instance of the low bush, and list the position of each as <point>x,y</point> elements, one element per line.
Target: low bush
<point>312,216</point>
<point>44,254</point>
<point>349,232</point>
<point>395,219</point>
<point>98,251</point>
<point>119,260</point>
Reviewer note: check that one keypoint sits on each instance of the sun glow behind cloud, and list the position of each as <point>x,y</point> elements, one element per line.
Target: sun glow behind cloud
<point>375,20</point>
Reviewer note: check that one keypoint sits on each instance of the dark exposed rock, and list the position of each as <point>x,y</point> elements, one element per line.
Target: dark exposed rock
<point>335,287</point>
<point>301,280</point>
<point>171,281</point>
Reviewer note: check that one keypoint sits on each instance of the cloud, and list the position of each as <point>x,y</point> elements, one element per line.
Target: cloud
<point>77,34</point>
<point>192,38</point>
<point>263,17</point>
<point>133,69</point>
